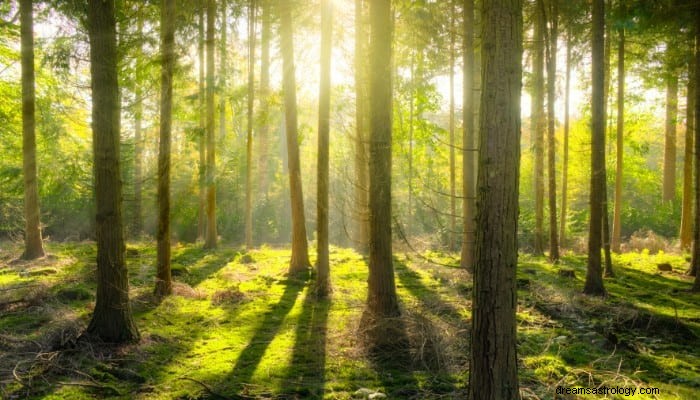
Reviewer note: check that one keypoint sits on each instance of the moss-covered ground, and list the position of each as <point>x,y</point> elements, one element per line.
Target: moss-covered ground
<point>237,327</point>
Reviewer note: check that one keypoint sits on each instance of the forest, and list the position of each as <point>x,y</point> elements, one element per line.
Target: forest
<point>349,199</point>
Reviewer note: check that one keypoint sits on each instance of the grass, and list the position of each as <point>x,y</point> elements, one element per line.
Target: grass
<point>237,327</point>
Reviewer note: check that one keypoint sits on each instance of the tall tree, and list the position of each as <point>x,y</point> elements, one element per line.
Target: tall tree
<point>453,183</point>
<point>361,128</point>
<point>695,261</point>
<point>137,224</point>
<point>300,252</point>
<point>249,131</point>
<point>537,123</point>
<point>494,365</point>
<point>669,184</point>
<point>551,37</point>
<point>594,277</point>
<point>263,101</point>
<point>210,238</point>
<point>617,210</point>
<point>324,107</point>
<point>468,139</point>
<point>565,155</point>
<point>33,246</point>
<point>111,320</point>
<point>381,299</point>
<point>201,142</point>
<point>164,285</point>
<point>686,234</point>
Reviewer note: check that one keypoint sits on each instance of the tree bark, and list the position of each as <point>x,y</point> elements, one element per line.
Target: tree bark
<point>594,279</point>
<point>164,285</point>
<point>263,102</point>
<point>381,299</point>
<point>565,158</point>
<point>551,48</point>
<point>617,210</point>
<point>686,234</point>
<point>33,246</point>
<point>695,261</point>
<point>493,369</point>
<point>469,151</point>
<point>138,138</point>
<point>537,124</point>
<point>249,130</point>
<point>210,240</point>
<point>324,103</point>
<point>111,320</point>
<point>361,129</point>
<point>669,184</point>
<point>300,253</point>
<point>453,183</point>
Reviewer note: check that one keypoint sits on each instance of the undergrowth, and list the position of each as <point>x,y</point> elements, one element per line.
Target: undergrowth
<point>237,327</point>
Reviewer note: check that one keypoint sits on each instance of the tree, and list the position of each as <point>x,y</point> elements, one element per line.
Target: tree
<point>361,129</point>
<point>686,234</point>
<point>695,261</point>
<point>453,183</point>
<point>537,123</point>
<point>617,210</point>
<point>138,137</point>
<point>669,185</point>
<point>33,246</point>
<point>210,237</point>
<point>468,139</point>
<point>381,299</point>
<point>300,253</point>
<point>111,320</point>
<point>494,365</point>
<point>551,37</point>
<point>594,278</point>
<point>324,104</point>
<point>565,156</point>
<point>164,285</point>
<point>249,130</point>
<point>201,142</point>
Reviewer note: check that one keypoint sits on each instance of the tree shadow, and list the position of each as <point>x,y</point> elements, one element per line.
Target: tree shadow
<point>307,371</point>
<point>252,354</point>
<point>194,265</point>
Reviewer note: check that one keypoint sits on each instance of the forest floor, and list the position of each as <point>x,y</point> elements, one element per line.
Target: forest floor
<point>237,327</point>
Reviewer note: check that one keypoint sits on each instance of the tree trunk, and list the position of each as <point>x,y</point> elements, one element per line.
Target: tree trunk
<point>469,151</point>
<point>695,262</point>
<point>111,320</point>
<point>493,369</point>
<point>669,186</point>
<point>381,300</point>
<point>686,234</point>
<point>361,129</point>
<point>551,48</point>
<point>164,285</point>
<point>300,253</point>
<point>594,279</point>
<point>249,131</point>
<point>33,246</point>
<point>211,235</point>
<point>537,124</point>
<point>617,211</point>
<point>263,128</point>
<point>324,104</point>
<point>201,142</point>
<point>565,158</point>
<point>453,183</point>
<point>138,138</point>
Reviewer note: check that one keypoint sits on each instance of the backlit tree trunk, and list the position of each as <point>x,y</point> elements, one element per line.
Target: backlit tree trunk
<point>249,130</point>
<point>381,300</point>
<point>669,187</point>
<point>686,234</point>
<point>617,211</point>
<point>594,278</point>
<point>201,140</point>
<point>210,238</point>
<point>111,320</point>
<point>494,366</point>
<point>552,36</point>
<point>361,129</point>
<point>453,183</point>
<point>469,151</point>
<point>695,261</point>
<point>300,253</point>
<point>164,285</point>
<point>324,104</point>
<point>565,158</point>
<point>263,130</point>
<point>537,124</point>
<point>33,247</point>
<point>138,138</point>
